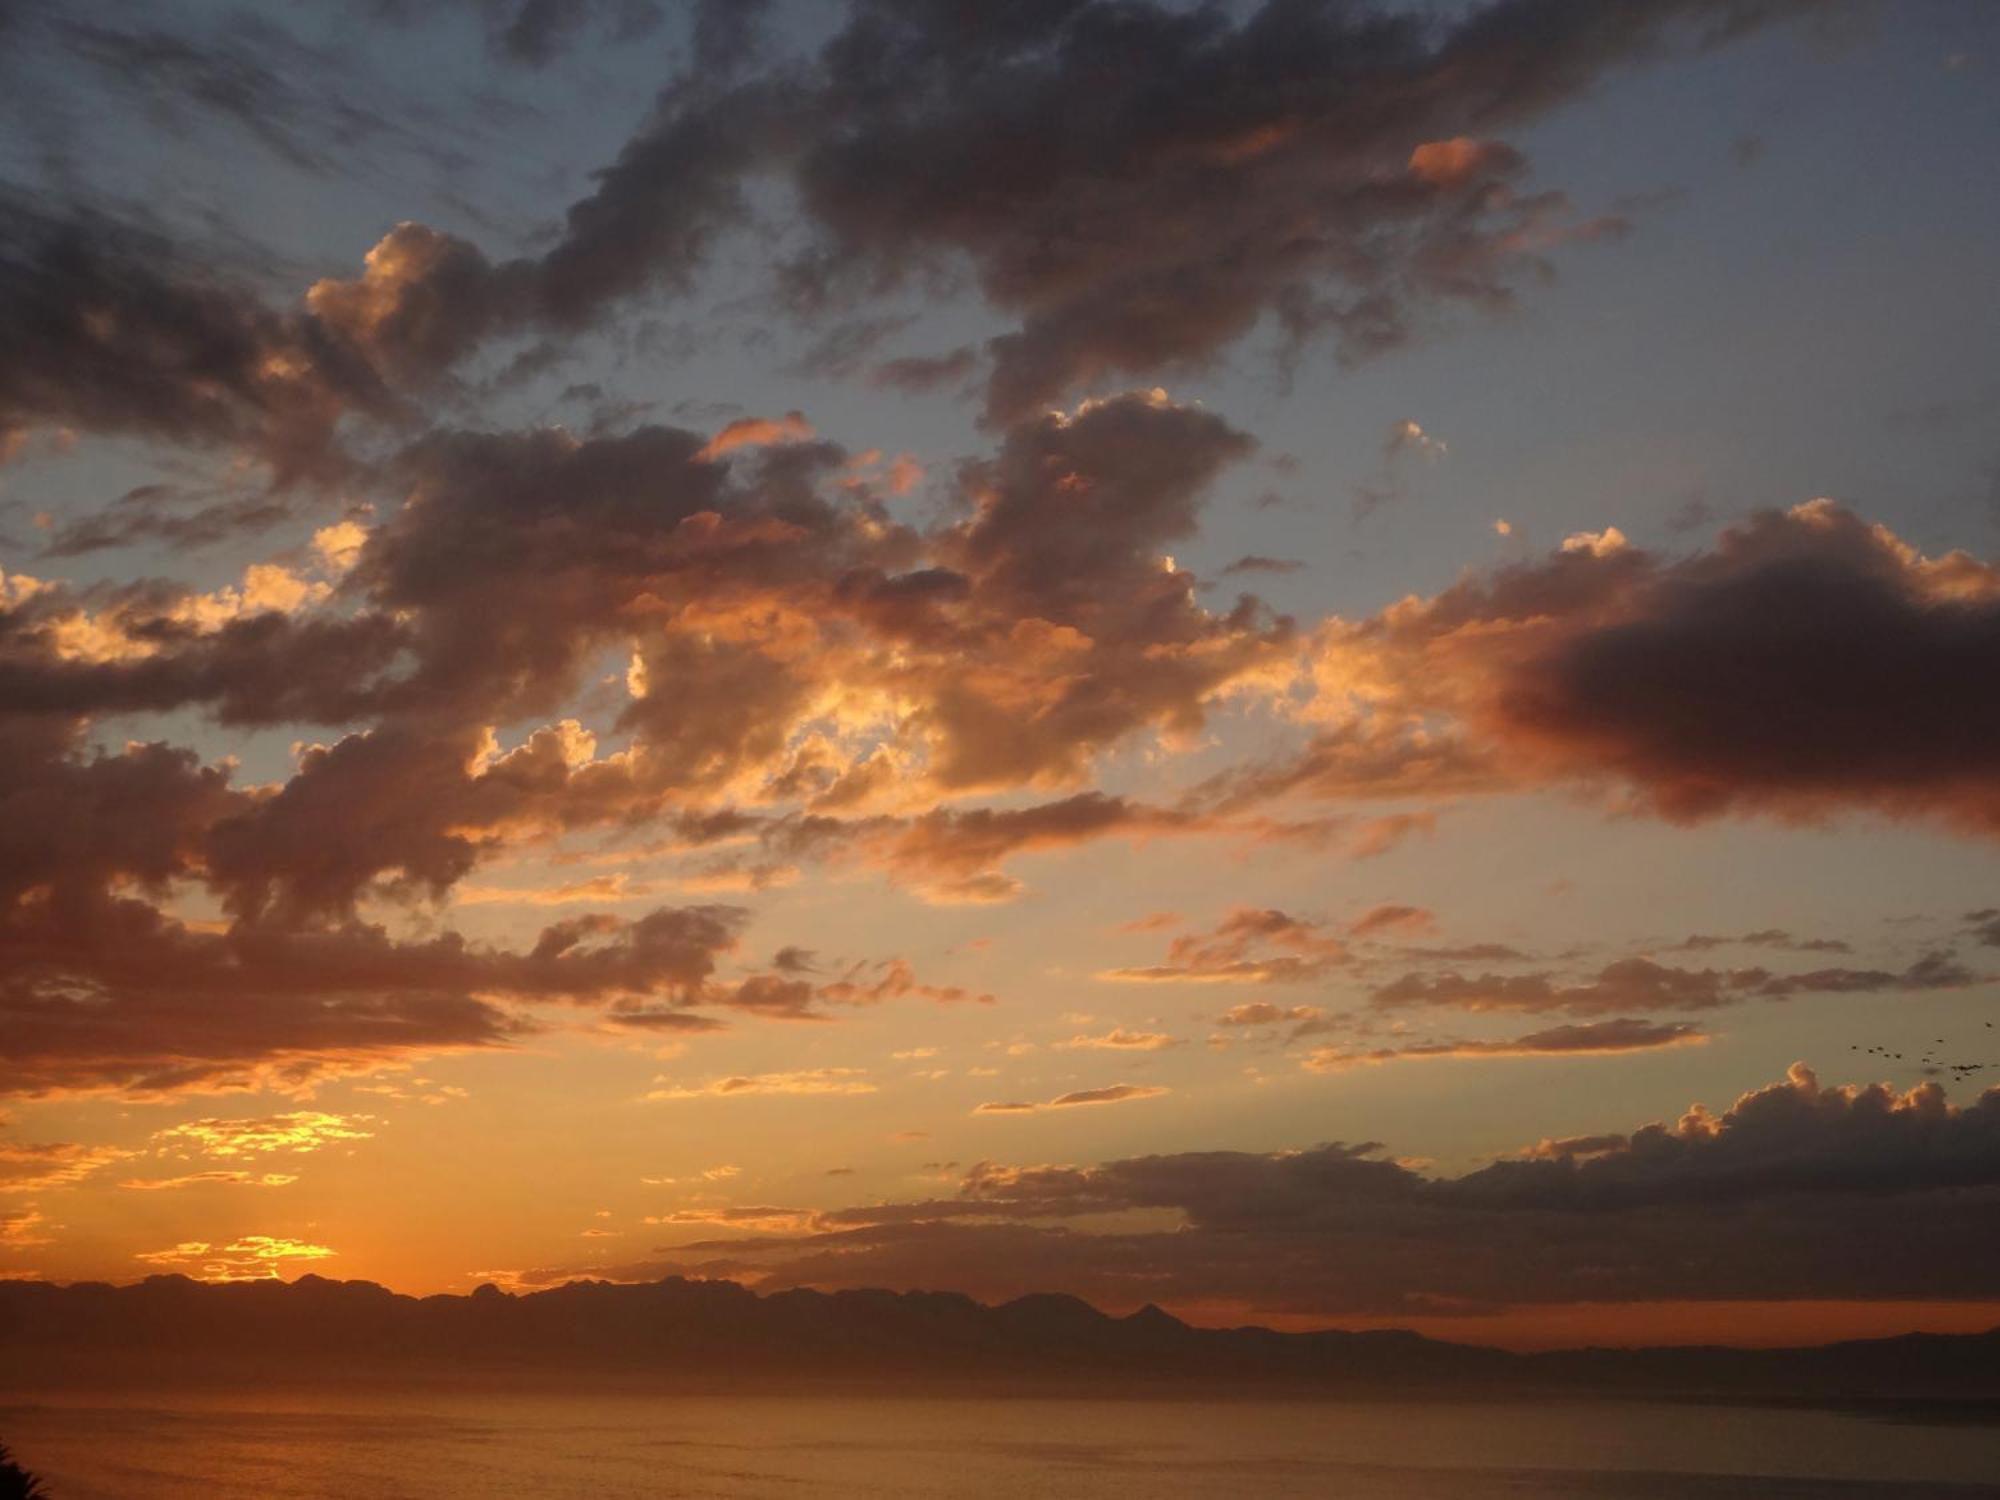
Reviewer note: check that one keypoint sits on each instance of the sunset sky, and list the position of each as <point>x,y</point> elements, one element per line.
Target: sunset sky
<point>1326,663</point>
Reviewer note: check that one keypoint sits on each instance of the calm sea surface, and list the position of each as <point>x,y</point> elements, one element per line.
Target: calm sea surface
<point>428,1446</point>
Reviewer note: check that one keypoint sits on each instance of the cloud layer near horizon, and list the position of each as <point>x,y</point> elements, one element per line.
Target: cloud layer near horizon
<point>1797,1190</point>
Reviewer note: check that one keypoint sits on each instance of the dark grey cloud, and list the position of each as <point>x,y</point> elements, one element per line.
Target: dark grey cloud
<point>1139,186</point>
<point>1806,664</point>
<point>1798,1190</point>
<point>1642,984</point>
<point>1610,1038</point>
<point>112,330</point>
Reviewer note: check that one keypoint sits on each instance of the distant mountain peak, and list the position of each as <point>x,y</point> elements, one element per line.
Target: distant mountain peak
<point>711,1332</point>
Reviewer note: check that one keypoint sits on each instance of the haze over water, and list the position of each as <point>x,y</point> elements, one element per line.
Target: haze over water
<point>426,1446</point>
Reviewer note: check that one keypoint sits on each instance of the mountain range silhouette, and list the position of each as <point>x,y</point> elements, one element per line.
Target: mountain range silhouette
<point>721,1334</point>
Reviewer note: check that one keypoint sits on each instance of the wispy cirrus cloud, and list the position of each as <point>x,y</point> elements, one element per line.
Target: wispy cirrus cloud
<point>801,1081</point>
<point>1117,1093</point>
<point>1586,1039</point>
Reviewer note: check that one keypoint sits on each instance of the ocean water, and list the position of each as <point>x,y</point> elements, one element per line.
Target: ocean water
<point>430,1446</point>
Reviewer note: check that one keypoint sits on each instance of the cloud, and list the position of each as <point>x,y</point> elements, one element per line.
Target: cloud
<point>1248,946</point>
<point>1128,239</point>
<point>204,1179</point>
<point>165,1007</point>
<point>798,1081</point>
<point>1254,563</point>
<point>1766,937</point>
<point>1630,984</point>
<point>22,1228</point>
<point>298,1132</point>
<point>1118,1039</point>
<point>1393,918</point>
<point>251,1257</point>
<point>1117,1093</point>
<point>871,983</point>
<point>32,1167</point>
<point>1590,1039</point>
<point>115,331</point>
<point>1808,664</point>
<point>778,1220</point>
<point>951,855</point>
<point>1797,1191</point>
<point>755,432</point>
<point>919,374</point>
<point>534,33</point>
<point>1328,184</point>
<point>821,655</point>
<point>1264,1013</point>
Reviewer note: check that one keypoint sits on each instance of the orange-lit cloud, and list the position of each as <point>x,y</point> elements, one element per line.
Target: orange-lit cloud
<point>756,432</point>
<point>1247,947</point>
<point>28,1167</point>
<point>809,1081</point>
<point>1117,1093</point>
<point>1118,1039</point>
<point>251,1257</point>
<point>205,1179</point>
<point>297,1131</point>
<point>1596,667</point>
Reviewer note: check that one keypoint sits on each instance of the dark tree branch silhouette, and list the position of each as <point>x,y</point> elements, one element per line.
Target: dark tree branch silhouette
<point>16,1483</point>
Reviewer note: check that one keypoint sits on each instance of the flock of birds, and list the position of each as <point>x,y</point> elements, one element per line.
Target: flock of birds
<point>1932,1064</point>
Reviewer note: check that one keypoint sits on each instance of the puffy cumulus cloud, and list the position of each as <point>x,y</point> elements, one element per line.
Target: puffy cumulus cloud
<point>1806,664</point>
<point>1588,1039</point>
<point>1335,182</point>
<point>1330,182</point>
<point>1117,1093</point>
<point>155,647</point>
<point>116,331</point>
<point>808,679</point>
<point>818,654</point>
<point>1322,183</point>
<point>1103,633</point>
<point>1248,946</point>
<point>1796,1191</point>
<point>819,651</point>
<point>426,299</point>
